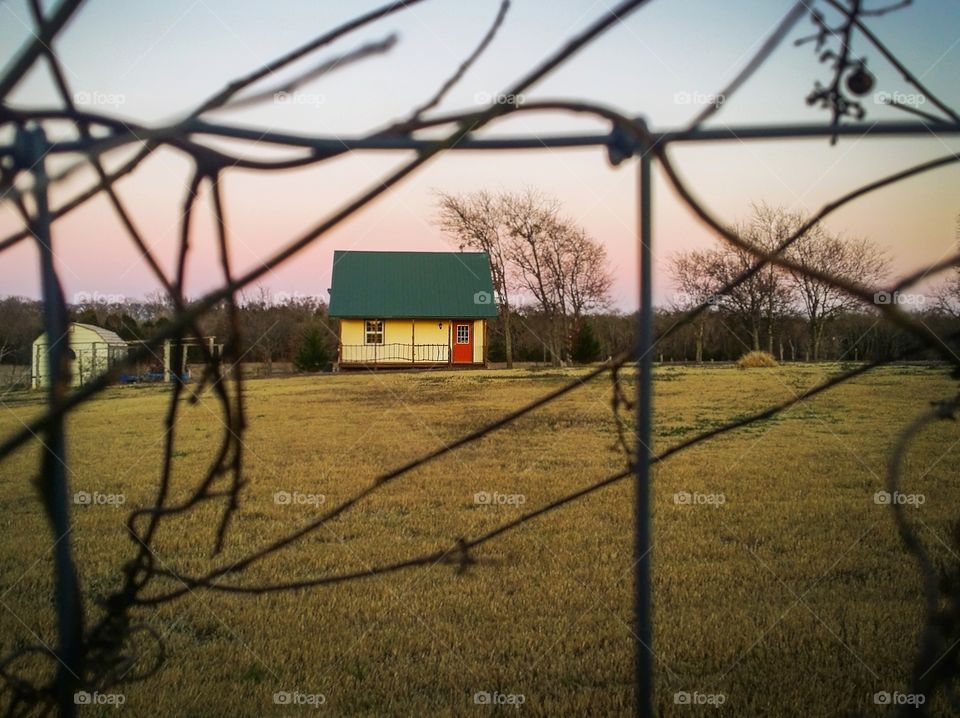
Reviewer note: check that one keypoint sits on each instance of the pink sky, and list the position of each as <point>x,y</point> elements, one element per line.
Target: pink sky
<point>915,221</point>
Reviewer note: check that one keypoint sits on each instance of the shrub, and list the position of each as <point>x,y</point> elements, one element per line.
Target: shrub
<point>586,348</point>
<point>753,360</point>
<point>312,355</point>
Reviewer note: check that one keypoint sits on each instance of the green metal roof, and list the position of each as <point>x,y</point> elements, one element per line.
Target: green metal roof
<point>383,285</point>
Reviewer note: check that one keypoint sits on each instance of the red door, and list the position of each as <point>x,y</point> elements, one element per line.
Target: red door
<point>463,342</point>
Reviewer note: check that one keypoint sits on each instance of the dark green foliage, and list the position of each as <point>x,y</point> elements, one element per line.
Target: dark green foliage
<point>586,348</point>
<point>312,354</point>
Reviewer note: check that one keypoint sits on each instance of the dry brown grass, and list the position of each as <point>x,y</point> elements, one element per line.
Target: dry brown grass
<point>791,597</point>
<point>756,360</point>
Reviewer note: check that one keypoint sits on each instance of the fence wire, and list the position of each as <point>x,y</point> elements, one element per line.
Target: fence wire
<point>111,651</point>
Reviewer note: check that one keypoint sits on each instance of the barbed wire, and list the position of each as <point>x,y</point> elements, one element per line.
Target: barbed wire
<point>105,654</point>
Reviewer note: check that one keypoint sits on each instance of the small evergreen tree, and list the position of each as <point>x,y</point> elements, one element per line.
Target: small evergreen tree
<point>586,348</point>
<point>312,354</point>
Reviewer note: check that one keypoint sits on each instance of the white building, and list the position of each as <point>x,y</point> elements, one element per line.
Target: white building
<point>92,351</point>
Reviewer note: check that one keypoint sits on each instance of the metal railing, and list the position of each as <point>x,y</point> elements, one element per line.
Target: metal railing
<point>394,353</point>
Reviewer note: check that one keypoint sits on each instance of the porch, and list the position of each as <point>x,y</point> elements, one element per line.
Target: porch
<point>372,343</point>
<point>395,353</point>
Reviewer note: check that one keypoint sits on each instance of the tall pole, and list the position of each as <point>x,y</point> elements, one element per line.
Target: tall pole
<point>54,476</point>
<point>643,627</point>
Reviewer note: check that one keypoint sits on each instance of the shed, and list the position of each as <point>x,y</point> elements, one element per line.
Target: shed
<point>92,351</point>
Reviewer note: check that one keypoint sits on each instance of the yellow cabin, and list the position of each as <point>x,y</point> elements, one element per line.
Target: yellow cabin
<point>412,309</point>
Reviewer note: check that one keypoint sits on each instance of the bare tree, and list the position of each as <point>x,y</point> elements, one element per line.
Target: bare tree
<point>758,302</point>
<point>268,329</point>
<point>851,259</point>
<point>696,285</point>
<point>476,220</point>
<point>530,218</point>
<point>947,292</point>
<point>770,295</point>
<point>556,262</point>
<point>535,251</point>
<point>585,280</point>
<point>947,296</point>
<point>157,304</point>
<point>765,299</point>
<point>20,324</point>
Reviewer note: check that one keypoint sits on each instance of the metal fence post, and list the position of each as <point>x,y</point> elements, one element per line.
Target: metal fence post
<point>643,628</point>
<point>53,479</point>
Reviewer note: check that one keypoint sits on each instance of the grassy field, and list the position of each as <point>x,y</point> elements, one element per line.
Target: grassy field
<point>781,587</point>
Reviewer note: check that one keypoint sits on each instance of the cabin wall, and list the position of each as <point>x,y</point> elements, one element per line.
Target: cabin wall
<point>433,331</point>
<point>479,340</point>
<point>351,331</point>
<point>431,336</point>
<point>398,341</point>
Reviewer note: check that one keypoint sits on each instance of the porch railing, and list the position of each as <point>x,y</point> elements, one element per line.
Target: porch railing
<point>394,353</point>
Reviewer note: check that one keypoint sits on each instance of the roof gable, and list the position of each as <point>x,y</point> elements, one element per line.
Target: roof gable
<point>454,285</point>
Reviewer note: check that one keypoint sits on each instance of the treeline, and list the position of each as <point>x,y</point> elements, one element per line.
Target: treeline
<point>800,311</point>
<point>274,327</point>
<point>855,335</point>
<point>277,329</point>
<point>552,285</point>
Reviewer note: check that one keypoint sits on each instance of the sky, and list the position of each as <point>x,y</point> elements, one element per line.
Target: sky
<point>153,62</point>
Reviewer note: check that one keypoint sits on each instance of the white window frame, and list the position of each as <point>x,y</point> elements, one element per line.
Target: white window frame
<point>376,330</point>
<point>463,326</point>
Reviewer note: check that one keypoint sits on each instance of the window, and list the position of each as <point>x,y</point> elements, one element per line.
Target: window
<point>463,334</point>
<point>373,333</point>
